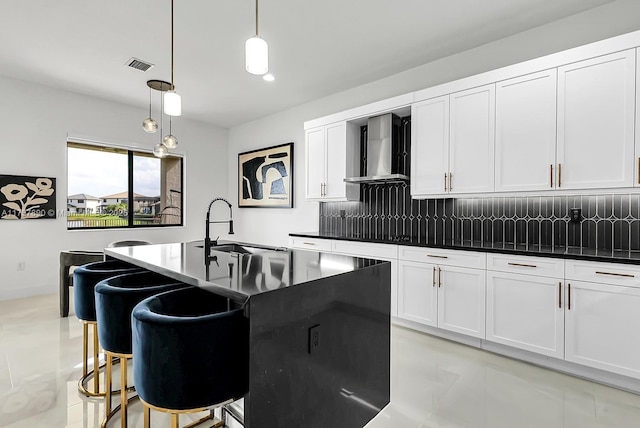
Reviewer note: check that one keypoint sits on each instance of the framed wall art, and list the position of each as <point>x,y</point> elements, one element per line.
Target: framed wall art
<point>23,197</point>
<point>265,177</point>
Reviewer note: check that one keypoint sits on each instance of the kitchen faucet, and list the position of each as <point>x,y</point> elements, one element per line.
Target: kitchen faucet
<point>207,239</point>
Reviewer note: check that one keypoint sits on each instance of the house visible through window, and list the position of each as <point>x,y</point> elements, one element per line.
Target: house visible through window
<point>114,187</point>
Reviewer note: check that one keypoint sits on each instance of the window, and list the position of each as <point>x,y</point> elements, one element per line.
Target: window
<point>121,188</point>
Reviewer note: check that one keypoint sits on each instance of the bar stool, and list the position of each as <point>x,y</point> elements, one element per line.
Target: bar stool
<point>127,243</point>
<point>115,298</point>
<point>85,279</point>
<point>190,353</point>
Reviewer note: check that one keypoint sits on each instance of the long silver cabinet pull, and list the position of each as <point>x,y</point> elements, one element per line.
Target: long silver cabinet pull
<point>445,181</point>
<point>521,264</point>
<point>439,277</point>
<point>437,257</point>
<point>450,182</point>
<point>551,175</point>
<point>560,294</point>
<point>433,277</point>
<point>309,243</point>
<point>569,297</point>
<point>626,275</point>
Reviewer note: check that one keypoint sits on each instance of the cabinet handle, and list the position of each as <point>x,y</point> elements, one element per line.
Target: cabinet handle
<point>559,175</point>
<point>638,170</point>
<point>445,181</point>
<point>521,264</point>
<point>626,275</point>
<point>450,182</point>
<point>551,175</point>
<point>569,297</point>
<point>308,243</point>
<point>439,277</point>
<point>560,295</point>
<point>433,277</point>
<point>437,257</point>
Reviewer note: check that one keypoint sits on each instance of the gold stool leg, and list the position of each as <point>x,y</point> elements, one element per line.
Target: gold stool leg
<point>85,348</point>
<point>147,416</point>
<point>123,389</point>
<point>174,421</point>
<point>96,360</point>
<point>109,381</point>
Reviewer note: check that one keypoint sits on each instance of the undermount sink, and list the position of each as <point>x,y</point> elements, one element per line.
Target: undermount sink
<point>237,248</point>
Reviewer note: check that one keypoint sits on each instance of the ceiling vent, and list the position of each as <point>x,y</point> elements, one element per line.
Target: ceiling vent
<point>138,64</point>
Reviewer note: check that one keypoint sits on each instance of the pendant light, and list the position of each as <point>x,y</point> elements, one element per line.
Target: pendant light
<point>149,124</point>
<point>170,141</point>
<point>256,52</point>
<point>160,150</point>
<point>172,100</point>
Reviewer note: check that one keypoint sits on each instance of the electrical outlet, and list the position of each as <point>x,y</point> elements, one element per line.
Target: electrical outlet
<point>575,215</point>
<point>314,338</point>
<point>343,213</point>
<point>21,265</point>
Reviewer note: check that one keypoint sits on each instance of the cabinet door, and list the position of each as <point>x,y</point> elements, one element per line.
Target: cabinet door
<point>336,160</point>
<point>602,327</point>
<point>596,101</point>
<point>461,300</point>
<point>430,147</point>
<point>417,292</point>
<point>526,312</point>
<point>526,132</point>
<point>315,163</point>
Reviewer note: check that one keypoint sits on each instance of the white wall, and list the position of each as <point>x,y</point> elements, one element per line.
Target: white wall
<point>35,123</point>
<point>271,226</point>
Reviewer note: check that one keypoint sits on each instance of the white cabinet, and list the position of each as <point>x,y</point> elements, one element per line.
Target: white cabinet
<point>602,327</point>
<point>526,312</point>
<point>442,295</point>
<point>596,107</point>
<point>526,132</point>
<point>452,143</point>
<point>332,154</point>
<point>472,140</point>
<point>602,316</point>
<point>417,292</point>
<point>430,147</point>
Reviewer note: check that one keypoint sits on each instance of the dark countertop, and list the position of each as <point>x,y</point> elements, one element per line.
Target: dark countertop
<point>574,253</point>
<point>238,276</point>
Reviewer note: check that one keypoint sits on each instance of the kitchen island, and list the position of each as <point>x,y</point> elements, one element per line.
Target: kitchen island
<point>319,326</point>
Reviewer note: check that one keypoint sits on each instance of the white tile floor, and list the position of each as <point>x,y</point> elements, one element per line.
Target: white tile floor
<point>435,383</point>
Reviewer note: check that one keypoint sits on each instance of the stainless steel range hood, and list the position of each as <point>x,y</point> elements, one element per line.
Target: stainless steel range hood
<point>383,133</point>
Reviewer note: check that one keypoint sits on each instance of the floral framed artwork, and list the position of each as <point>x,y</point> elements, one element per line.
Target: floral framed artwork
<point>265,177</point>
<point>23,197</point>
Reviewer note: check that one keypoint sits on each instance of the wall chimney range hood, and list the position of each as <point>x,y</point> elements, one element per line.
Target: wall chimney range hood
<point>383,155</point>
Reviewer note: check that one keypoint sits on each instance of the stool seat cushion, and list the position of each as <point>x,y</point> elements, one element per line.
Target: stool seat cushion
<point>190,349</point>
<point>85,279</point>
<point>115,299</point>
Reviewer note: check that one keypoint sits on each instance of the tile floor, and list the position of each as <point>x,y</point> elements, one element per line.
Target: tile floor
<point>435,383</point>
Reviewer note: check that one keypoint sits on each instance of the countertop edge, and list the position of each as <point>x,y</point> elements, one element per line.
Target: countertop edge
<point>584,257</point>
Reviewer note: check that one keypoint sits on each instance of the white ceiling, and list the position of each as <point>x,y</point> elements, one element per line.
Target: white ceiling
<point>316,48</point>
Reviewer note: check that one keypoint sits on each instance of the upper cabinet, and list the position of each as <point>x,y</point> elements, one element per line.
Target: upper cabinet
<point>526,132</point>
<point>471,146</point>
<point>430,147</point>
<point>596,108</point>
<point>452,143</point>
<point>332,154</point>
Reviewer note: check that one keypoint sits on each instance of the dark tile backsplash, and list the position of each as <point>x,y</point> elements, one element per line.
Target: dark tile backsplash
<point>387,212</point>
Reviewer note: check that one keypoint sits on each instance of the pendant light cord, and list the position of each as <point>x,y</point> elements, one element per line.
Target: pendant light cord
<point>172,85</point>
<point>256,17</point>
<point>150,91</point>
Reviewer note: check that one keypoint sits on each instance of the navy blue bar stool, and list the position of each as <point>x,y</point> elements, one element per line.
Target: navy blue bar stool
<point>190,353</point>
<point>85,279</point>
<point>115,299</point>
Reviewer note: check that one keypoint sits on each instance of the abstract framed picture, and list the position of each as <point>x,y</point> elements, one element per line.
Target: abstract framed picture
<point>265,177</point>
<point>23,197</point>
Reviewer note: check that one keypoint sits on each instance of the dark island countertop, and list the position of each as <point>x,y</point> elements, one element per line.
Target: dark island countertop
<point>574,253</point>
<point>238,276</point>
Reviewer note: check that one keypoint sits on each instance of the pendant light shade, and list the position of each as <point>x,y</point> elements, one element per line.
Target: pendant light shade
<point>160,151</point>
<point>257,56</point>
<point>172,103</point>
<point>170,141</point>
<point>150,125</point>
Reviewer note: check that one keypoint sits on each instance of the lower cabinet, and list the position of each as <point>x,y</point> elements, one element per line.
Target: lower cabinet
<point>603,327</point>
<point>526,312</point>
<point>447,297</point>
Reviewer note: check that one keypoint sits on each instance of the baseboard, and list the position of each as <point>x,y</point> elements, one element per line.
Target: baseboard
<point>22,292</point>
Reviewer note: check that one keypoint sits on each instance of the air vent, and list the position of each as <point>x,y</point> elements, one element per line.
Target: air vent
<point>138,64</point>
